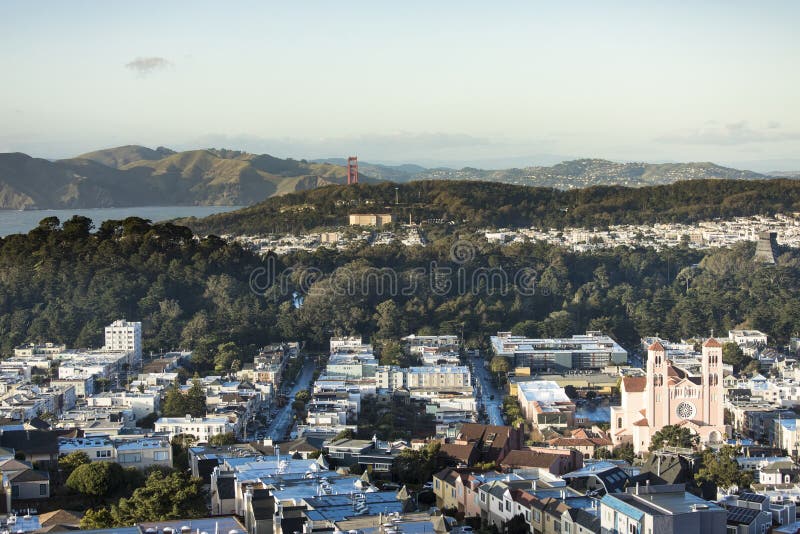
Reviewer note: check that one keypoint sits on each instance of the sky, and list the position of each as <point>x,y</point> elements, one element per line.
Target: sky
<point>490,84</point>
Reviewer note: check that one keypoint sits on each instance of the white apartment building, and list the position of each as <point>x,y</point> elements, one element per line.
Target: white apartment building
<point>140,452</point>
<point>200,427</point>
<point>122,335</point>
<point>416,344</point>
<point>32,349</point>
<point>82,364</point>
<point>347,365</point>
<point>445,376</point>
<point>141,404</point>
<point>745,338</point>
<point>348,344</point>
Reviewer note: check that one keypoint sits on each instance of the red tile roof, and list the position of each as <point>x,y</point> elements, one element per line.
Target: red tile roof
<point>657,346</point>
<point>634,384</point>
<point>712,343</point>
<point>529,459</point>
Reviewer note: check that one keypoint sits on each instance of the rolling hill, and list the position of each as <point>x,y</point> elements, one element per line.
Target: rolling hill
<point>134,175</point>
<point>572,174</point>
<point>478,204</point>
<point>138,176</point>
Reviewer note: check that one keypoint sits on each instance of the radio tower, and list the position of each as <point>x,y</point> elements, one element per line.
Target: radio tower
<point>352,170</point>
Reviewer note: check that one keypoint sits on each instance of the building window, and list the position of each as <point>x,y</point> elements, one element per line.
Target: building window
<point>508,505</point>
<point>130,458</point>
<point>42,489</point>
<point>161,455</point>
<point>103,454</point>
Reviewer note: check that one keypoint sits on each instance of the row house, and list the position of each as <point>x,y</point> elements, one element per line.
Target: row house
<point>667,509</point>
<point>97,420</point>
<point>28,401</point>
<point>141,404</point>
<point>128,452</point>
<point>545,510</point>
<point>201,428</point>
<point>476,443</point>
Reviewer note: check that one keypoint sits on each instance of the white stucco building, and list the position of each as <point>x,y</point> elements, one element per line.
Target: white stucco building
<point>122,335</point>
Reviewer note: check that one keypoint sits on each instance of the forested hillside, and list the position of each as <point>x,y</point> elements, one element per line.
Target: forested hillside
<point>63,283</point>
<point>485,204</point>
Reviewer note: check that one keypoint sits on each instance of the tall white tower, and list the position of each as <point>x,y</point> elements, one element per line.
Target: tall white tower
<point>122,335</point>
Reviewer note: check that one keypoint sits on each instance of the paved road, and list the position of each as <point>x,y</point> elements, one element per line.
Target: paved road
<point>283,421</point>
<point>487,388</point>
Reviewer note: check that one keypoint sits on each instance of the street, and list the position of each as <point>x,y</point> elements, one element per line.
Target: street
<point>282,423</point>
<point>486,389</point>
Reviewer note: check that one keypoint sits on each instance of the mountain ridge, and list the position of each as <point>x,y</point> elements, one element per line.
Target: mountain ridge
<point>134,175</point>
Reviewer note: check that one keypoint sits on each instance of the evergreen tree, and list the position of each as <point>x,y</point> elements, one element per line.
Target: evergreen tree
<point>175,403</point>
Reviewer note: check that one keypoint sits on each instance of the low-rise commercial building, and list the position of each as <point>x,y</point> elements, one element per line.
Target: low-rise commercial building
<point>592,350</point>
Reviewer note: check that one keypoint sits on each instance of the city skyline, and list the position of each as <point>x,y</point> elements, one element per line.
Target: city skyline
<point>452,84</point>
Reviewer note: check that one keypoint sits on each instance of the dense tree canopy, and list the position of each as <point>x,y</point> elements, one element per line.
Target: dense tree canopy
<point>721,468</point>
<point>481,204</point>
<point>164,496</point>
<point>96,479</point>
<point>178,404</point>
<point>674,436</point>
<point>62,283</point>
<point>65,285</point>
<point>69,462</point>
<point>416,466</point>
<point>226,438</point>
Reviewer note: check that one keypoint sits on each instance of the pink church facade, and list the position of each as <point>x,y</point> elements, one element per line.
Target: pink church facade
<point>690,396</point>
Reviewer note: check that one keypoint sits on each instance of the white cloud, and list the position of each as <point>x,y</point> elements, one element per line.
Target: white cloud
<point>144,66</point>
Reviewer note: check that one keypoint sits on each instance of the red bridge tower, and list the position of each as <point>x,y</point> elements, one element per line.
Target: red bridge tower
<point>352,170</point>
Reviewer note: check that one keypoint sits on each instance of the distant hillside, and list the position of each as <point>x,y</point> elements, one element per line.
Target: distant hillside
<point>120,156</point>
<point>391,173</point>
<point>137,176</point>
<point>577,173</point>
<point>134,175</point>
<point>477,204</point>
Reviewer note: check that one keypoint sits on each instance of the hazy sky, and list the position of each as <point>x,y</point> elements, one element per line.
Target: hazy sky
<point>494,83</point>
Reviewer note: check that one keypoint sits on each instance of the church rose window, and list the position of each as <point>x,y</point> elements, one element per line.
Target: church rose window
<point>685,410</point>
